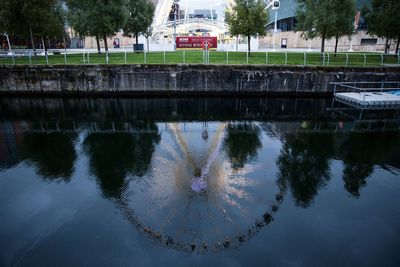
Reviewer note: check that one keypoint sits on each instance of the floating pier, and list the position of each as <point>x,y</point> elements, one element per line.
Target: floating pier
<point>368,94</point>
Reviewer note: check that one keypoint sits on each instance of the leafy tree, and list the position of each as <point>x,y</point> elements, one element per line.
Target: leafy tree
<point>97,18</point>
<point>29,18</point>
<point>248,18</point>
<point>325,19</point>
<point>140,17</point>
<point>344,10</point>
<point>384,20</point>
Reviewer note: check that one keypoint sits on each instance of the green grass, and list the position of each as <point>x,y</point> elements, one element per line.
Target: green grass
<point>196,57</point>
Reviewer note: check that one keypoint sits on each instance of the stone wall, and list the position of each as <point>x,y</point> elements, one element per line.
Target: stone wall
<point>183,79</point>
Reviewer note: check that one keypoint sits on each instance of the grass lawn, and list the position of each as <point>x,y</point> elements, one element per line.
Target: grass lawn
<point>215,57</point>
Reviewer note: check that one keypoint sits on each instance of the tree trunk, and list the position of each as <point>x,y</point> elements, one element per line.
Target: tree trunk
<point>323,43</point>
<point>248,42</point>
<point>336,43</point>
<point>32,40</point>
<point>105,42</point>
<point>397,46</point>
<point>98,44</point>
<point>386,45</point>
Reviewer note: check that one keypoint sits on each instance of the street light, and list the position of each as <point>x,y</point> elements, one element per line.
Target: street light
<point>275,6</point>
<point>175,8</point>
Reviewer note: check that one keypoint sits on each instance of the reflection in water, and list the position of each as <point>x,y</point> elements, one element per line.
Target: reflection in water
<point>242,142</point>
<point>53,155</point>
<point>113,156</point>
<point>193,186</point>
<point>304,164</point>
<point>361,152</point>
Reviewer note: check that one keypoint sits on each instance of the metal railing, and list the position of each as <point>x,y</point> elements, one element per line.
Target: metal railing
<point>198,57</point>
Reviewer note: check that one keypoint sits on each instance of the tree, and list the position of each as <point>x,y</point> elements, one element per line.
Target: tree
<point>248,18</point>
<point>27,18</point>
<point>344,10</point>
<point>97,18</point>
<point>140,17</point>
<point>384,20</point>
<point>325,19</point>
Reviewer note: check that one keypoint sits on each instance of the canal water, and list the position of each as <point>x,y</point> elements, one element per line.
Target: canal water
<point>198,181</point>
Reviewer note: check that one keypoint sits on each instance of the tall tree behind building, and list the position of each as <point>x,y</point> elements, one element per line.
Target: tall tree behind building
<point>383,19</point>
<point>248,18</point>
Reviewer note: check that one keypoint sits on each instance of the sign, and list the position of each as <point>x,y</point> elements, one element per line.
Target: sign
<point>195,42</point>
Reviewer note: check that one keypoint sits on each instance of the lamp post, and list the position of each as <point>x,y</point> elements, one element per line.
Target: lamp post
<point>175,7</point>
<point>275,6</point>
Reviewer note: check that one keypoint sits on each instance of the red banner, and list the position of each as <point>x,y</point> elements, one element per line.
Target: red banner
<point>196,43</point>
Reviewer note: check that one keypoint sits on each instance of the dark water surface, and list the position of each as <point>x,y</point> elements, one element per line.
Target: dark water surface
<point>190,182</point>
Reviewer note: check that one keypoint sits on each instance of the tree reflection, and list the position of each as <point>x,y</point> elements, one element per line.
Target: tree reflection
<point>115,155</point>
<point>241,143</point>
<point>360,152</point>
<point>52,154</point>
<point>304,165</point>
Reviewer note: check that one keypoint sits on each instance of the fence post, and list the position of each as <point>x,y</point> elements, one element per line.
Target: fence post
<point>88,57</point>
<point>65,57</point>
<point>47,58</point>
<point>164,57</point>
<point>381,59</point>
<point>184,55</point>
<point>285,57</point>
<point>247,57</point>
<point>328,59</point>
<point>12,56</point>
<point>365,60</point>
<point>266,58</point>
<point>107,59</point>
<point>30,58</point>
<point>305,58</point>
<point>347,59</point>
<point>125,56</point>
<point>227,57</point>
<point>145,57</point>
<point>323,59</point>
<point>84,58</point>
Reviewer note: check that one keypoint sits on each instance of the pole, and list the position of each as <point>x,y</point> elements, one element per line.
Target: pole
<point>9,44</point>
<point>174,27</point>
<point>275,30</point>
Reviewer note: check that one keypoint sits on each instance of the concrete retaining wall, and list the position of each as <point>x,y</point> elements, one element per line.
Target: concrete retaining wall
<point>183,79</point>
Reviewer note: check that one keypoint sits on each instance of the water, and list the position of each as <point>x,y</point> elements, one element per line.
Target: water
<point>159,182</point>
